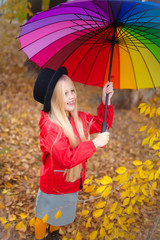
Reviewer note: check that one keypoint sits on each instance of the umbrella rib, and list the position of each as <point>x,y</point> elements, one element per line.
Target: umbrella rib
<point>150,41</point>
<point>130,25</point>
<point>67,56</point>
<point>100,14</point>
<point>85,21</point>
<point>94,61</point>
<point>146,33</point>
<point>143,60</point>
<point>83,58</point>
<point>131,63</point>
<point>93,19</point>
<point>133,8</point>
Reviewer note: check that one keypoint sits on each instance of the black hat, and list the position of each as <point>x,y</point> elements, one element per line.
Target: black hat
<point>45,84</point>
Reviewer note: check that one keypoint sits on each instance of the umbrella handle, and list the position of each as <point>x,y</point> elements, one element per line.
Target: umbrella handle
<point>104,124</point>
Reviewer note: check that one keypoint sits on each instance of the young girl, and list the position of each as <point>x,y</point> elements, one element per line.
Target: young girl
<point>66,146</point>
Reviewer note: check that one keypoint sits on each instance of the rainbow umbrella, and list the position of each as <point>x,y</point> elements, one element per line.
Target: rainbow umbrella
<point>97,40</point>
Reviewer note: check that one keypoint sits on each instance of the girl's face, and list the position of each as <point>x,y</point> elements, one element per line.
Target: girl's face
<point>69,95</point>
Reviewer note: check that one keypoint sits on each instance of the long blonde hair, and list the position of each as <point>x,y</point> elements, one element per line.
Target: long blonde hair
<point>59,116</point>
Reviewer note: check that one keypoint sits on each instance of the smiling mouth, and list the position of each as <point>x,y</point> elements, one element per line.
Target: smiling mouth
<point>71,103</point>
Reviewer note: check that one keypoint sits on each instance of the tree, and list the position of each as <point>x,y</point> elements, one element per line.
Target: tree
<point>35,6</point>
<point>54,3</point>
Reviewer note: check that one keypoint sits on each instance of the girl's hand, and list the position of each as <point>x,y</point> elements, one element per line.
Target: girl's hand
<point>108,89</point>
<point>101,139</point>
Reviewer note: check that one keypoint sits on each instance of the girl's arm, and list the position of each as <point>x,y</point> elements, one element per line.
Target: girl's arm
<point>64,154</point>
<point>95,122</point>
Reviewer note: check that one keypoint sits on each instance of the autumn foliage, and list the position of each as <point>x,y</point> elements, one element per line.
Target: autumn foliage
<point>121,193</point>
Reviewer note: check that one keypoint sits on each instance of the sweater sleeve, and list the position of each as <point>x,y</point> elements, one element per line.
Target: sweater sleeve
<point>64,154</point>
<point>95,122</point>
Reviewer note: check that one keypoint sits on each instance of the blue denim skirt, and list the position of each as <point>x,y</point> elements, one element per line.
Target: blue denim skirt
<point>51,203</point>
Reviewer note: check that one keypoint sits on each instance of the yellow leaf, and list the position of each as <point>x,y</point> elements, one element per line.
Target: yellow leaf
<point>123,227</point>
<point>78,236</point>
<point>102,233</point>
<point>147,162</point>
<point>143,174</point>
<point>129,209</point>
<point>100,189</point>
<point>8,185</point>
<point>158,112</point>
<point>117,178</point>
<point>106,191</point>
<point>93,235</point>
<point>126,201</point>
<point>89,188</point>
<point>137,162</point>
<point>97,180</point>
<point>155,99</point>
<point>125,185</point>
<point>146,140</point>
<point>142,110</point>
<point>112,216</point>
<point>142,105</point>
<point>45,218</point>
<point>156,175</point>
<point>8,225</point>
<point>12,218</point>
<point>100,204</point>
<point>133,237</point>
<point>147,111</point>
<point>58,214</point>
<point>113,207</point>
<point>32,222</point>
<point>152,192</point>
<point>88,224</point>
<point>142,128</point>
<point>3,220</point>
<point>119,211</point>
<point>136,211</point>
<point>121,220</point>
<point>151,141</point>
<point>106,221</point>
<point>154,185</point>
<point>87,180</point>
<point>22,215</point>
<point>134,200</point>
<point>85,212</point>
<point>125,193</point>
<point>156,146</point>
<point>2,206</point>
<point>124,178</point>
<point>64,238</point>
<point>151,176</point>
<point>131,220</point>
<point>152,112</point>
<point>144,192</point>
<point>19,225</point>
<point>106,180</point>
<point>121,170</point>
<point>109,226</point>
<point>98,213</point>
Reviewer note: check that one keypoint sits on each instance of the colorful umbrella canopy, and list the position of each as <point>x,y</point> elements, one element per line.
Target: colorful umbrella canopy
<point>82,34</point>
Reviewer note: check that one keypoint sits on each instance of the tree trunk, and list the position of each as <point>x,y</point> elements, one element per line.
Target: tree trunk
<point>36,6</point>
<point>54,3</point>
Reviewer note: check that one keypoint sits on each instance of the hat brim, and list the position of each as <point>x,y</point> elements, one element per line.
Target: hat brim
<point>57,75</point>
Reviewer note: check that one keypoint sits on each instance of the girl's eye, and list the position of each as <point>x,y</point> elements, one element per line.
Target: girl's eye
<point>66,93</point>
<point>72,91</point>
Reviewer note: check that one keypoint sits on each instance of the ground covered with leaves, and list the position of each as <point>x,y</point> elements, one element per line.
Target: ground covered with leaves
<point>21,157</point>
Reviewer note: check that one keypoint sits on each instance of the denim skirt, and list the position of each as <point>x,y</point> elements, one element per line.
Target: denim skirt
<point>51,203</point>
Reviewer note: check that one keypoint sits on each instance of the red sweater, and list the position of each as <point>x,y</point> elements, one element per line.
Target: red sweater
<point>59,155</point>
